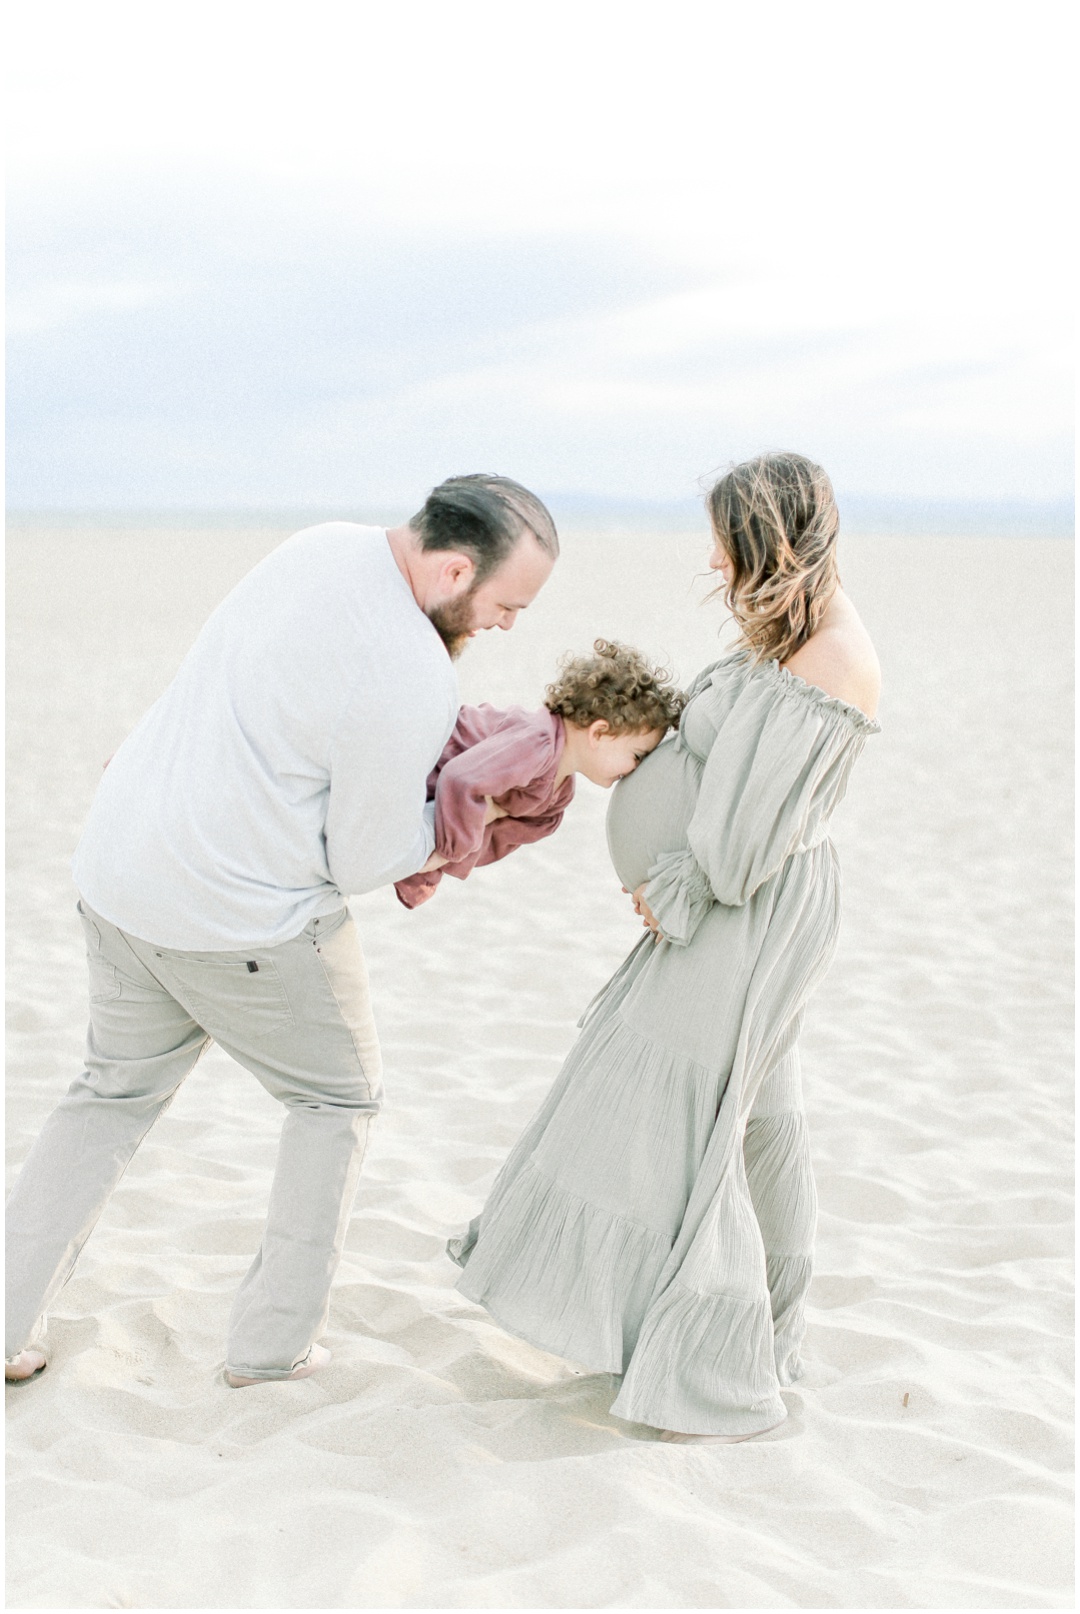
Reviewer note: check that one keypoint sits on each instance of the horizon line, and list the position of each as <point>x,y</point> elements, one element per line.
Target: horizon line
<point>868,513</point>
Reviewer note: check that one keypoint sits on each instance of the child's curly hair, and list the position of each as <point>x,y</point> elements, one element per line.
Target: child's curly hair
<point>617,685</point>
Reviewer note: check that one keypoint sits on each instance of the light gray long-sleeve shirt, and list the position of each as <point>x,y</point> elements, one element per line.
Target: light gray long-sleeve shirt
<point>285,766</point>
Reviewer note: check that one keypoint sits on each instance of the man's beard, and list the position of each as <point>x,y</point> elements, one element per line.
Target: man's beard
<point>453,623</point>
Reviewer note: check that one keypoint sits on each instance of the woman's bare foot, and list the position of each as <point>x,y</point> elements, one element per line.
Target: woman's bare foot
<point>712,1440</point>
<point>28,1363</point>
<point>317,1358</point>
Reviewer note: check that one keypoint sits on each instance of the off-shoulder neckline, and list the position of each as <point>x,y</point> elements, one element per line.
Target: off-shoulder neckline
<point>800,689</point>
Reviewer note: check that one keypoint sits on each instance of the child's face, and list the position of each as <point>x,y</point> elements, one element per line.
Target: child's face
<point>610,757</point>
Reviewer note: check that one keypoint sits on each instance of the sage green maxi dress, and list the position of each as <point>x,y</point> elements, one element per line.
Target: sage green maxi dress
<point>656,1220</point>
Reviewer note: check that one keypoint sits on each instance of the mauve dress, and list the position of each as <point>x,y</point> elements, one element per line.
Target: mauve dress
<point>656,1219</point>
<point>510,755</point>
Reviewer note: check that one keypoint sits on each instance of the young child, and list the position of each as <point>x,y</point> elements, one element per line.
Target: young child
<point>505,778</point>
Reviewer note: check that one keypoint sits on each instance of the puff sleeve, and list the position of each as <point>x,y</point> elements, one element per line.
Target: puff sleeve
<point>779,762</point>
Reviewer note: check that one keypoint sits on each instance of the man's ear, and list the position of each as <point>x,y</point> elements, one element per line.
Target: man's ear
<point>456,573</point>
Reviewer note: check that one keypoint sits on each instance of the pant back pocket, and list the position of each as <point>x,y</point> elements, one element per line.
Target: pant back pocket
<point>233,1000</point>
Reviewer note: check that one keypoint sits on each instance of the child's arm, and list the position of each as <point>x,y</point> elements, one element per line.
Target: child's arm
<point>514,832</point>
<point>466,802</point>
<point>469,787</point>
<point>435,861</point>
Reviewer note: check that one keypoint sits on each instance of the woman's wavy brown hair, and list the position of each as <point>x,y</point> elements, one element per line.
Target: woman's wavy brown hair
<point>777,519</point>
<point>615,684</point>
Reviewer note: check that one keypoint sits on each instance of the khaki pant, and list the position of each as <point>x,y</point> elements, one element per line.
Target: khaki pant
<point>297,1016</point>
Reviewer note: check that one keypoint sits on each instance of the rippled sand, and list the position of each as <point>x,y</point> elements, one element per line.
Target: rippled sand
<point>439,1463</point>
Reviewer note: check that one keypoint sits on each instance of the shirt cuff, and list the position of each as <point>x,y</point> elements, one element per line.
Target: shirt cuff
<point>679,894</point>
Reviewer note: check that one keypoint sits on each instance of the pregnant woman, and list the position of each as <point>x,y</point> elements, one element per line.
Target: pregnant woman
<point>656,1219</point>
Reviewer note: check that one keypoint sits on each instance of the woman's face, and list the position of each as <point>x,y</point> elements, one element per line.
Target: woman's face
<point>720,560</point>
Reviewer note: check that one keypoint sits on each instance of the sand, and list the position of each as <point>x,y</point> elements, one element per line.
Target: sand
<point>439,1463</point>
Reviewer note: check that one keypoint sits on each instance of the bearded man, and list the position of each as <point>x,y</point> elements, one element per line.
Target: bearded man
<point>283,769</point>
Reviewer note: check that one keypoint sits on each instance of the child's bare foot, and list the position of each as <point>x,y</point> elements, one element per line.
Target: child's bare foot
<point>712,1440</point>
<point>26,1365</point>
<point>317,1358</point>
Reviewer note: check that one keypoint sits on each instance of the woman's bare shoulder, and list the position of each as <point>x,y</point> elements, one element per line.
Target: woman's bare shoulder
<point>840,658</point>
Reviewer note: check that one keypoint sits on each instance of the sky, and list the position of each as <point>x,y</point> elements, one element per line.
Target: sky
<point>323,255</point>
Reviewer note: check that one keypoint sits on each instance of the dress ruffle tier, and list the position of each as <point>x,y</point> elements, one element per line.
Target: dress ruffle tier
<point>656,1219</point>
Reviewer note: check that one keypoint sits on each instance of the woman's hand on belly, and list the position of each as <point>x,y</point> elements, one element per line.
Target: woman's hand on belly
<point>642,907</point>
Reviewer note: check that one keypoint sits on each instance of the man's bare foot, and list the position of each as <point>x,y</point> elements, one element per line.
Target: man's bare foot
<point>25,1366</point>
<point>317,1358</point>
<point>712,1440</point>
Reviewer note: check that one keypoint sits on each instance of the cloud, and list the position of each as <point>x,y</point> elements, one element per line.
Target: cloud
<point>55,304</point>
<point>272,257</point>
<point>203,338</point>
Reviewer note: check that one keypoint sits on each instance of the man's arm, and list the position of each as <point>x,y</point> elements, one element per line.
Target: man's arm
<point>379,825</point>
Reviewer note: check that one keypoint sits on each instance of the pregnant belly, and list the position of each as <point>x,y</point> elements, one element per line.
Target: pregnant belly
<point>650,811</point>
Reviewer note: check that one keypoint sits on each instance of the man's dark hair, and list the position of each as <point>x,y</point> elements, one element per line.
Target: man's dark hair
<point>483,517</point>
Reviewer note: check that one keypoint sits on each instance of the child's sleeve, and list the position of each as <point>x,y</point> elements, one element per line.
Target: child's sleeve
<point>505,835</point>
<point>502,762</point>
<point>417,888</point>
